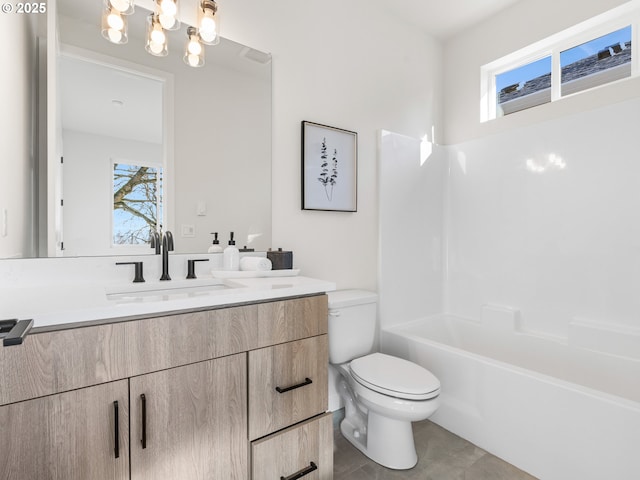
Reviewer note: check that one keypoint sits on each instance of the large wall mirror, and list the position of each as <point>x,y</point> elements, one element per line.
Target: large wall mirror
<point>194,142</point>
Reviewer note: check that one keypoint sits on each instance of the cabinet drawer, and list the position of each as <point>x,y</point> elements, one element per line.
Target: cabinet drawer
<point>304,448</point>
<point>289,320</point>
<point>287,384</point>
<point>53,362</point>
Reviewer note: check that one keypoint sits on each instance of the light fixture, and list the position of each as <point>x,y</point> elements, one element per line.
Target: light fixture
<point>167,11</point>
<point>114,25</point>
<point>194,52</point>
<point>209,22</point>
<point>203,28</point>
<point>156,37</point>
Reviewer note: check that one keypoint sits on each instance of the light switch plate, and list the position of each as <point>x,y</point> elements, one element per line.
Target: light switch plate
<point>188,230</point>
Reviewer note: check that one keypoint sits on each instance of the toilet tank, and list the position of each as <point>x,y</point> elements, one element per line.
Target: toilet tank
<point>352,324</point>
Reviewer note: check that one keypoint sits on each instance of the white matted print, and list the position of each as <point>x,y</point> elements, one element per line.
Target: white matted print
<point>329,168</point>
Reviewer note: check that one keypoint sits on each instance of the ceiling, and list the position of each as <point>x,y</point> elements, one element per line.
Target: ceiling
<point>106,101</point>
<point>443,19</point>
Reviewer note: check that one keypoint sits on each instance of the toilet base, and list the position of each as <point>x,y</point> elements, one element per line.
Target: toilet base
<point>385,441</point>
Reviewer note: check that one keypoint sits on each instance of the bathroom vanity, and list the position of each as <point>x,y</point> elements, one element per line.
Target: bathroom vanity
<point>233,391</point>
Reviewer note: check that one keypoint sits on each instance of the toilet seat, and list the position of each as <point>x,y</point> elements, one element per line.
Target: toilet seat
<point>395,377</point>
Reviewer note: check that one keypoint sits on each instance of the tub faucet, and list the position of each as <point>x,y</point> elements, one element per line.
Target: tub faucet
<point>163,243</point>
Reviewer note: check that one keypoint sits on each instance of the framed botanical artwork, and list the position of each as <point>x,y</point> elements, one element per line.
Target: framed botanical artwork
<point>329,168</point>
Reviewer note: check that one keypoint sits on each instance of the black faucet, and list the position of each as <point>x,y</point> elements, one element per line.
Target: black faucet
<point>163,242</point>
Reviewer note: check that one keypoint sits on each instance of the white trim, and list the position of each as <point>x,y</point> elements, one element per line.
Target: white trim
<point>597,79</point>
<point>556,76</point>
<point>635,59</point>
<point>620,17</point>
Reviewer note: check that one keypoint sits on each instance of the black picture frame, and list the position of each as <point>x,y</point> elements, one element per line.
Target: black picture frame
<point>329,168</point>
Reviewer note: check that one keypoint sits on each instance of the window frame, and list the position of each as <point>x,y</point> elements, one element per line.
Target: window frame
<point>603,24</point>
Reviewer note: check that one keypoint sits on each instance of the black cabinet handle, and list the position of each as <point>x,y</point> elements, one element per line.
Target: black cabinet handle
<point>17,333</point>
<point>144,420</point>
<point>307,381</point>
<point>117,430</point>
<point>305,471</point>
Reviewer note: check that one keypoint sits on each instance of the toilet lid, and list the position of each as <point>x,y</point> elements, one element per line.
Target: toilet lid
<point>395,377</point>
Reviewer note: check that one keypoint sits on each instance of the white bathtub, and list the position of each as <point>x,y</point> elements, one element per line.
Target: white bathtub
<point>556,411</point>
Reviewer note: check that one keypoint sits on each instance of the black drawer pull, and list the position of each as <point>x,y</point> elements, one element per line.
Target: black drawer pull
<point>117,430</point>
<point>307,381</point>
<point>305,471</point>
<point>144,420</point>
<point>13,332</point>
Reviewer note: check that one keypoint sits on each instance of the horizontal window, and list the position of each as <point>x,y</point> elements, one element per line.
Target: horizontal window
<point>599,61</point>
<point>593,53</point>
<point>524,87</point>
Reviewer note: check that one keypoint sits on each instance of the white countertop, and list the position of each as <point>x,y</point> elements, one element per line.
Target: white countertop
<point>57,306</point>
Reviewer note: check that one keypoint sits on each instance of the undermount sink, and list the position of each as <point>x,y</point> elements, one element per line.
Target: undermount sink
<point>176,291</point>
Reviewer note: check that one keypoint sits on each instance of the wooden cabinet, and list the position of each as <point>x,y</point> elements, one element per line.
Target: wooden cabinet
<point>67,436</point>
<point>198,387</point>
<point>190,422</point>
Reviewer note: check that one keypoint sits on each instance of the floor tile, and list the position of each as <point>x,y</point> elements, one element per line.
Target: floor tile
<point>441,456</point>
<point>490,467</point>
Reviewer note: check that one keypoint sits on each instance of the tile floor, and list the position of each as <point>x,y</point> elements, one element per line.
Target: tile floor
<point>441,456</point>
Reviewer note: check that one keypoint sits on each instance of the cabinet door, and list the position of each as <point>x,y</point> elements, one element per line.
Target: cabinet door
<point>67,436</point>
<point>190,422</point>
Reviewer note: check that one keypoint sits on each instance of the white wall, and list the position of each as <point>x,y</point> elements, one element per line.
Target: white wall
<point>346,65</point>
<point>17,216</point>
<point>232,173</point>
<point>557,240</point>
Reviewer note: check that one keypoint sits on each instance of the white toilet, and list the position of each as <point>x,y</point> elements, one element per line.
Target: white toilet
<point>382,394</point>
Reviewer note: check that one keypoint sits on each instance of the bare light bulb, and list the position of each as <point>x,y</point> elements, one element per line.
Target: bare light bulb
<point>123,6</point>
<point>194,53</point>
<point>157,35</point>
<point>207,23</point>
<point>114,26</point>
<point>115,21</point>
<point>193,59</point>
<point>194,47</point>
<point>156,47</point>
<point>208,37</point>
<point>114,35</point>
<point>168,7</point>
<point>167,21</point>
